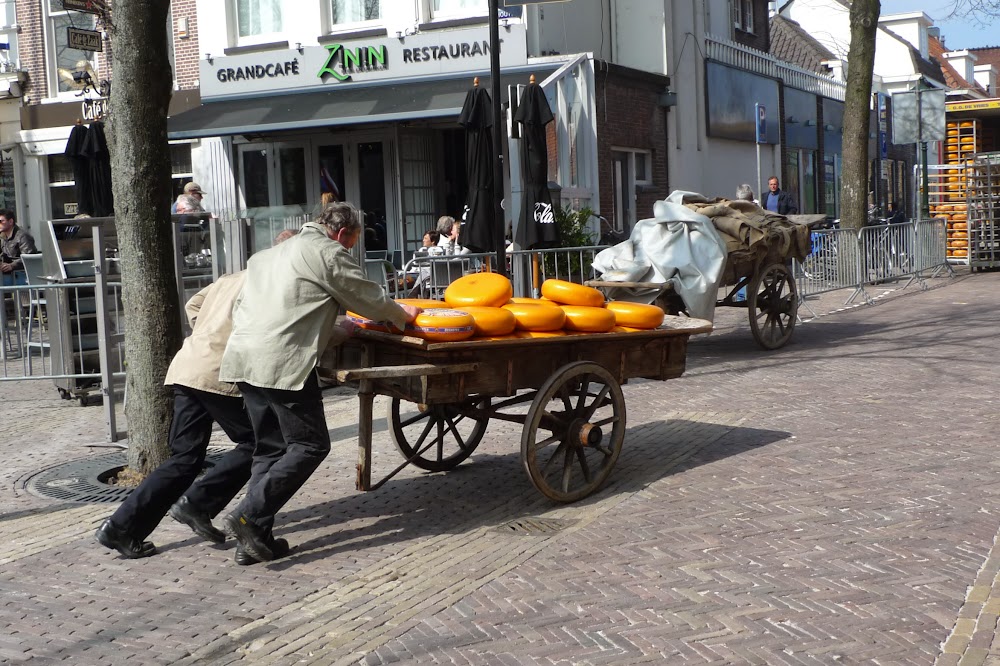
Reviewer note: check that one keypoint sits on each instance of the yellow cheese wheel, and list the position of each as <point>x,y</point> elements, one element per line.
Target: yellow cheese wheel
<point>958,243</point>
<point>959,235</point>
<point>570,293</point>
<point>423,303</point>
<point>534,301</point>
<point>961,225</point>
<point>960,217</point>
<point>959,253</point>
<point>539,334</point>
<point>952,124</point>
<point>532,317</point>
<point>491,321</point>
<point>586,319</point>
<point>365,322</point>
<point>442,325</point>
<point>636,315</point>
<point>967,123</point>
<point>482,289</point>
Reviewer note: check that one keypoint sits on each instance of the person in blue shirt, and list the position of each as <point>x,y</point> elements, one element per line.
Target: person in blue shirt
<point>778,201</point>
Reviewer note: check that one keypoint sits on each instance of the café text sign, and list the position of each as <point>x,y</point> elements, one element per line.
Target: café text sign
<point>84,40</point>
<point>360,61</point>
<point>94,109</point>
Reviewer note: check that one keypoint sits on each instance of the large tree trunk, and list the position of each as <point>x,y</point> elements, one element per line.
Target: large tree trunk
<point>857,107</point>
<point>140,167</point>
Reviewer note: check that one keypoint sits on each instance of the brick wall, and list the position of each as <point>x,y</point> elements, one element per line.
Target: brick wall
<point>629,116</point>
<point>185,49</point>
<point>760,38</point>
<point>31,46</point>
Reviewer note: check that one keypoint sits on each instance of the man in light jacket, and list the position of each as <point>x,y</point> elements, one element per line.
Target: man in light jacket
<point>282,323</point>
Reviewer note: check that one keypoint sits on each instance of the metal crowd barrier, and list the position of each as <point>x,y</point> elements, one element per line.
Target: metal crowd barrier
<point>847,259</point>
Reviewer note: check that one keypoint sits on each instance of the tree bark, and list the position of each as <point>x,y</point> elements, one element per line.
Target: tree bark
<point>140,167</point>
<point>857,112</point>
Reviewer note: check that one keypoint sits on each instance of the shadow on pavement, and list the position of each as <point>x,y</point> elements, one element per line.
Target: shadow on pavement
<point>492,489</point>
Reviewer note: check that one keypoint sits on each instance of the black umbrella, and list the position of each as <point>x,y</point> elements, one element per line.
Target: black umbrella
<point>95,148</point>
<point>478,233</point>
<point>81,167</point>
<point>538,225</point>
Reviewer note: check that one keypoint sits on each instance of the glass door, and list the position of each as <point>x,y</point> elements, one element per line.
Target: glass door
<point>274,175</point>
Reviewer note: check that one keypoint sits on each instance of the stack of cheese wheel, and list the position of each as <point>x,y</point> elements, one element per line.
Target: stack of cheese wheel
<point>536,317</point>
<point>636,316</point>
<point>582,306</point>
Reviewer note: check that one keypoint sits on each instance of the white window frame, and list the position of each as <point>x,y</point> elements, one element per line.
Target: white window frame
<point>737,11</point>
<point>354,25</point>
<point>52,64</point>
<point>634,154</point>
<point>748,16</point>
<point>8,29</point>
<point>441,16</point>
<point>233,19</point>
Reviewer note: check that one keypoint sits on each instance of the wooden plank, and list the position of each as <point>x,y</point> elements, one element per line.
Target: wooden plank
<point>389,371</point>
<point>664,286</point>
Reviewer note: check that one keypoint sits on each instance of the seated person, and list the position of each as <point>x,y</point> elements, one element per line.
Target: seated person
<point>448,227</point>
<point>14,241</point>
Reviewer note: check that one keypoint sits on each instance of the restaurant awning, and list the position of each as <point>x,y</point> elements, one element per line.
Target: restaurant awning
<point>346,105</point>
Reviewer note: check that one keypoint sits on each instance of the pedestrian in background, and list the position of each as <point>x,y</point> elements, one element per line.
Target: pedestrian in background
<point>745,193</point>
<point>778,201</point>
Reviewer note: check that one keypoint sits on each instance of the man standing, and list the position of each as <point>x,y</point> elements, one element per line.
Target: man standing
<point>14,241</point>
<point>778,201</point>
<point>282,323</point>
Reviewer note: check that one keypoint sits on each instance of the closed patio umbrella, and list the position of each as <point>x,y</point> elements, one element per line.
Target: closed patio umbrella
<point>478,233</point>
<point>538,226</point>
<point>75,151</point>
<point>95,148</point>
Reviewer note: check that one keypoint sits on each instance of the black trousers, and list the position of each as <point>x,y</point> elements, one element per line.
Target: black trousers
<point>190,431</point>
<point>292,440</point>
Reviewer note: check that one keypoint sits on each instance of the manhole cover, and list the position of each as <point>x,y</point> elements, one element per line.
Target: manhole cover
<point>534,526</point>
<point>85,480</point>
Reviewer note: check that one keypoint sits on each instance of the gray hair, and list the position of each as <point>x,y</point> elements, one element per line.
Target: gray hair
<point>744,192</point>
<point>340,215</point>
<point>188,203</point>
<point>444,225</point>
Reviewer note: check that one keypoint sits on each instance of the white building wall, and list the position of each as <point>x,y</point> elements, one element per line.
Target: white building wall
<point>911,26</point>
<point>580,26</point>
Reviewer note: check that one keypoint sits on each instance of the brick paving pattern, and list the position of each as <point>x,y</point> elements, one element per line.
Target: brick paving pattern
<point>832,502</point>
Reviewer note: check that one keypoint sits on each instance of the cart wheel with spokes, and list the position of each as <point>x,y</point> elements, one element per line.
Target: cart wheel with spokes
<point>444,434</point>
<point>773,306</point>
<point>573,431</point>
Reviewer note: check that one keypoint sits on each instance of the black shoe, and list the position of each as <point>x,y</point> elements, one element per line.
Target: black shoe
<point>183,511</point>
<point>279,547</point>
<point>249,536</point>
<point>115,539</point>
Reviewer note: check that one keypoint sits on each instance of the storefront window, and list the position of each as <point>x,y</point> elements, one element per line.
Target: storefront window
<point>257,17</point>
<point>62,190</point>
<point>73,67</point>
<point>460,8</point>
<point>355,11</point>
<point>180,168</point>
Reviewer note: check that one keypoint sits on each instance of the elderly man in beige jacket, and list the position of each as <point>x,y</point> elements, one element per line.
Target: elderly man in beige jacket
<point>282,323</point>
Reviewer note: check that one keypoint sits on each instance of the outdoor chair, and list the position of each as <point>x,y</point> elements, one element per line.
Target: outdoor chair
<point>37,304</point>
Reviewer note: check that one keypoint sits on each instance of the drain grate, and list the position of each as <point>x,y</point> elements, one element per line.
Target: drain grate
<point>534,526</point>
<point>85,480</point>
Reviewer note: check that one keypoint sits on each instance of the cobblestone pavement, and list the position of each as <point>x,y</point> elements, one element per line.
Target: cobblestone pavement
<point>832,502</point>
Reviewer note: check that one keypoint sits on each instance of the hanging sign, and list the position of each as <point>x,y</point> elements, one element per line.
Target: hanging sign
<point>89,6</point>
<point>84,40</point>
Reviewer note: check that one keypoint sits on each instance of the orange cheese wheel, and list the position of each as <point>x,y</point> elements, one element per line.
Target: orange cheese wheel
<point>636,315</point>
<point>959,253</point>
<point>961,225</point>
<point>532,317</point>
<point>539,334</point>
<point>534,301</point>
<point>491,321</point>
<point>967,123</point>
<point>959,235</point>
<point>570,293</point>
<point>442,325</point>
<point>365,322</point>
<point>959,217</point>
<point>586,319</point>
<point>423,303</point>
<point>489,290</point>
<point>958,243</point>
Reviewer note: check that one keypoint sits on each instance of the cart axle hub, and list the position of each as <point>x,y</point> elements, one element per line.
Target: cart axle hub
<point>587,434</point>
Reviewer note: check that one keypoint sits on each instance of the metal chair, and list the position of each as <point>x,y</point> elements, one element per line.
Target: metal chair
<point>443,273</point>
<point>382,273</point>
<point>37,303</point>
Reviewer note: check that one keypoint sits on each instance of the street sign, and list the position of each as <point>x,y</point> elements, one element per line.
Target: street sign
<point>883,145</point>
<point>761,113</point>
<point>84,40</point>
<point>918,115</point>
<point>89,6</point>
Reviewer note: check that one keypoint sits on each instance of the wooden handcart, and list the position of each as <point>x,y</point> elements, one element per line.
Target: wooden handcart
<point>565,391</point>
<point>762,283</point>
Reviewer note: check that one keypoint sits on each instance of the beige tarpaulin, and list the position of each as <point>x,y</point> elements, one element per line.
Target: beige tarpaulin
<point>746,227</point>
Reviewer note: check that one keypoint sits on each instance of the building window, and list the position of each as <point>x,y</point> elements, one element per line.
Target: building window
<point>62,187</point>
<point>74,69</point>
<point>181,172</point>
<point>9,61</point>
<point>454,8</point>
<point>347,12</point>
<point>258,18</point>
<point>631,169</point>
<point>743,15</point>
